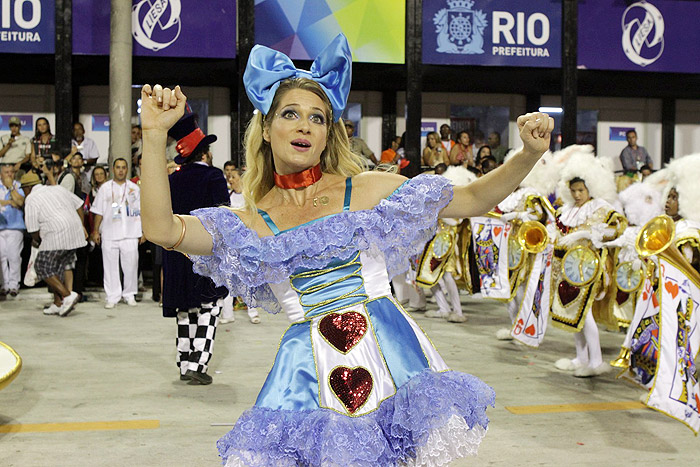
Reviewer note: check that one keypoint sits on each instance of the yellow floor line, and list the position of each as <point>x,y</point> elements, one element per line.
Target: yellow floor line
<point>81,426</point>
<point>561,408</point>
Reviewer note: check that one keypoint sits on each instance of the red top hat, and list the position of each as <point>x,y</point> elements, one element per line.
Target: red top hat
<point>189,137</point>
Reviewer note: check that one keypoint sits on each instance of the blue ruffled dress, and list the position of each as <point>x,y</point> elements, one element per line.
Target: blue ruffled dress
<point>355,381</point>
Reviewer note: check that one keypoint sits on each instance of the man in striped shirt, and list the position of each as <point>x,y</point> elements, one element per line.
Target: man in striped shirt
<point>53,216</point>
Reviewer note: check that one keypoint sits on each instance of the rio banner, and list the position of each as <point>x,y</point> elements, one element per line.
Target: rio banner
<point>27,26</point>
<point>654,35</point>
<point>303,28</point>
<point>492,32</point>
<point>161,28</point>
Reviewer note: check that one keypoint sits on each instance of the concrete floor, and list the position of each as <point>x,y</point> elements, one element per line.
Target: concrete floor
<point>100,365</point>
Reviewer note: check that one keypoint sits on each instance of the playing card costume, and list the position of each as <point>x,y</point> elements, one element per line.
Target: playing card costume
<point>661,347</point>
<point>355,381</point>
<point>528,211</point>
<point>582,284</point>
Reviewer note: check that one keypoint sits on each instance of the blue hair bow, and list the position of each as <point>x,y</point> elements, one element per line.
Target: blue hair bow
<point>267,68</point>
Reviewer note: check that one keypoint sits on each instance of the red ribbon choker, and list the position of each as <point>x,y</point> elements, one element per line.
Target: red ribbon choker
<point>300,179</point>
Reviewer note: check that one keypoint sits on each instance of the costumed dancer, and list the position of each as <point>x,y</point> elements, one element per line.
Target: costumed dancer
<point>190,298</point>
<point>528,211</point>
<point>355,381</point>
<point>582,268</point>
<point>439,263</point>
<point>639,354</point>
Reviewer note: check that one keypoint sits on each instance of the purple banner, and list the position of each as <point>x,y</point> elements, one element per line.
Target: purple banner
<point>26,120</point>
<point>656,35</point>
<point>161,28</point>
<point>27,26</point>
<point>618,133</point>
<point>100,123</point>
<point>427,127</point>
<point>492,32</point>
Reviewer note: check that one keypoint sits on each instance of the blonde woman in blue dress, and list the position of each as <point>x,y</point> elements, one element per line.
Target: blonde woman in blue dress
<point>355,381</point>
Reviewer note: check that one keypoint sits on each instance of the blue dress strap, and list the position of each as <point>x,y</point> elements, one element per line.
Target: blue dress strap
<point>348,194</point>
<point>269,222</point>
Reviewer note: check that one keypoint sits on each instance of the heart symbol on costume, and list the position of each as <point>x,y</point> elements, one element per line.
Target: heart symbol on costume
<point>343,331</point>
<point>530,330</point>
<point>518,327</point>
<point>671,288</point>
<point>434,264</point>
<point>567,292</point>
<point>645,296</point>
<point>497,231</point>
<point>621,297</point>
<point>352,386</point>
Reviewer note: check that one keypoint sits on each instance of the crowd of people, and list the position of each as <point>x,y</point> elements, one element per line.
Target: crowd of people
<point>69,222</point>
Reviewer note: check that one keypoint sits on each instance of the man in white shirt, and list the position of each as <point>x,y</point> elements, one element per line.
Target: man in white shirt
<point>84,145</point>
<point>15,148</point>
<point>11,230</point>
<point>53,218</point>
<point>117,209</point>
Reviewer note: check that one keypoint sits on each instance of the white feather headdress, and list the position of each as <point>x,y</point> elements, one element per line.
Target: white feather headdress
<point>542,178</point>
<point>641,203</point>
<point>682,173</point>
<point>596,172</point>
<point>459,175</point>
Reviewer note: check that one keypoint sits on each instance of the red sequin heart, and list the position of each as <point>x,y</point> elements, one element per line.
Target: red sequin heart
<point>352,386</point>
<point>530,330</point>
<point>567,292</point>
<point>497,231</point>
<point>343,331</point>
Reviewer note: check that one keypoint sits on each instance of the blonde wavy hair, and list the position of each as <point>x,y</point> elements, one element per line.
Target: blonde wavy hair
<point>336,158</point>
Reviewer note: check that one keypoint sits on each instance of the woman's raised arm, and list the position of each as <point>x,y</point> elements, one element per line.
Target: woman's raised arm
<point>160,110</point>
<point>482,195</point>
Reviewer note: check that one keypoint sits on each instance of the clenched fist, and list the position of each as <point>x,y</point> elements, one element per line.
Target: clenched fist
<point>161,108</point>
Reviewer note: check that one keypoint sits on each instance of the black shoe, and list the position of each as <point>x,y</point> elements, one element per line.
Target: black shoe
<point>185,378</point>
<point>198,378</point>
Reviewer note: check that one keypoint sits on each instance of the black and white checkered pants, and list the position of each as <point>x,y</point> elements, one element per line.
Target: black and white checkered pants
<point>196,330</point>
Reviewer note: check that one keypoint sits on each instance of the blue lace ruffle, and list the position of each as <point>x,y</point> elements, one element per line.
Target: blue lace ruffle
<point>387,436</point>
<point>398,226</point>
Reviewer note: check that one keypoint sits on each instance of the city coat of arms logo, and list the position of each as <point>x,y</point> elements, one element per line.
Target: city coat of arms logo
<point>459,28</point>
<point>155,24</point>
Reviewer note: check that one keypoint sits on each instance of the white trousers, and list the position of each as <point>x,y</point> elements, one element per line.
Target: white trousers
<point>126,253</point>
<point>11,243</point>
<point>227,309</point>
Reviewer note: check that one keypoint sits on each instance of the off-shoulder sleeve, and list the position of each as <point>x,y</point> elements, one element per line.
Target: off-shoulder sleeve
<point>399,226</point>
<point>235,260</point>
<point>408,219</point>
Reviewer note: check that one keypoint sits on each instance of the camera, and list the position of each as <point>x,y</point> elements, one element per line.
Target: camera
<point>49,163</point>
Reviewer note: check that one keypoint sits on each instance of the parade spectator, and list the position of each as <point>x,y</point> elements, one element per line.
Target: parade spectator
<point>389,156</point>
<point>73,178</point>
<point>484,151</point>
<point>43,142</point>
<point>488,163</point>
<point>11,230</point>
<point>15,148</point>
<point>358,145</point>
<point>117,228</point>
<point>434,153</point>
<point>136,145</point>
<point>497,151</point>
<point>446,138</point>
<point>233,181</point>
<point>645,170</point>
<point>53,218</point>
<point>463,151</point>
<point>95,273</point>
<point>84,145</point>
<point>633,157</point>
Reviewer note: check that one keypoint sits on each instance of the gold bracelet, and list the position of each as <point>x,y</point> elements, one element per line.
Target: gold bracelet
<point>182,234</point>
